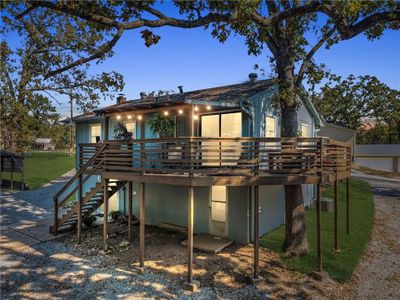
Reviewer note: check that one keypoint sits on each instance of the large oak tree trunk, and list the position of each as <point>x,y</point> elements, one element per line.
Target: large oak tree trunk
<point>295,243</point>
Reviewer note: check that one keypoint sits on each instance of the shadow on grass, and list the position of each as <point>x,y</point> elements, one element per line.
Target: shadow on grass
<point>341,265</point>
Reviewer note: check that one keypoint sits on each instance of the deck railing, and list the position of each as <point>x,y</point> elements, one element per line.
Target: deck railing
<point>243,156</point>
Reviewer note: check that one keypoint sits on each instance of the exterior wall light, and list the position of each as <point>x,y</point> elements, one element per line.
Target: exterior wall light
<point>180,111</point>
<point>195,117</point>
<point>129,117</point>
<point>196,108</point>
<point>166,113</point>
<point>208,107</point>
<point>118,117</point>
<point>139,117</point>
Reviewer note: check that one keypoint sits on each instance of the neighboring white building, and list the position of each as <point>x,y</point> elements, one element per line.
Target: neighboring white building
<point>379,156</point>
<point>339,133</point>
<point>44,144</point>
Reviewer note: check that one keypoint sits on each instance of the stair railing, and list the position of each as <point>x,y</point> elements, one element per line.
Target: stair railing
<point>58,202</point>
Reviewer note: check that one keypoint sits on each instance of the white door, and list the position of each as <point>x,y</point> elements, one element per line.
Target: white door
<point>219,205</point>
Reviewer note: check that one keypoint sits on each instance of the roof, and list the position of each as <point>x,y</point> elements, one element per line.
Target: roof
<point>228,93</point>
<point>82,118</point>
<point>43,141</point>
<point>338,133</point>
<point>378,150</point>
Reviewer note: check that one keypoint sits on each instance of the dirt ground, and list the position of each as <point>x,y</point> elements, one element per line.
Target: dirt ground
<point>228,273</point>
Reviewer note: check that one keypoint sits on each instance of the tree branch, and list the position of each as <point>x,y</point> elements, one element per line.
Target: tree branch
<point>310,55</point>
<point>97,54</point>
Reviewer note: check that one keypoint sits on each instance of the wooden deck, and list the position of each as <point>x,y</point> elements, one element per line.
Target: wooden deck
<point>196,161</point>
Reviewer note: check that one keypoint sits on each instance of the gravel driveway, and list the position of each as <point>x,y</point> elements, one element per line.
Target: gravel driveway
<point>378,274</point>
<point>30,205</point>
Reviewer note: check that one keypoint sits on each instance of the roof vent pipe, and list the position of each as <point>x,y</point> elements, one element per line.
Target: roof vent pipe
<point>143,95</point>
<point>180,87</point>
<point>253,77</point>
<point>121,98</point>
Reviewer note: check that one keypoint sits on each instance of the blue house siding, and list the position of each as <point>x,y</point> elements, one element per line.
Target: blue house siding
<point>166,203</point>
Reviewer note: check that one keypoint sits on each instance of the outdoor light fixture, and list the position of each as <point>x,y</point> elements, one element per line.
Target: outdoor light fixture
<point>139,117</point>
<point>129,117</point>
<point>195,117</point>
<point>166,113</point>
<point>118,117</point>
<point>180,111</point>
<point>208,107</point>
<point>196,108</point>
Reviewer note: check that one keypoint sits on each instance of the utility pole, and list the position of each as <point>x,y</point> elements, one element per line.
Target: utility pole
<point>71,146</point>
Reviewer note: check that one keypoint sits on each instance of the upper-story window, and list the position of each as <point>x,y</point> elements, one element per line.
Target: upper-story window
<point>270,126</point>
<point>131,128</point>
<point>95,133</point>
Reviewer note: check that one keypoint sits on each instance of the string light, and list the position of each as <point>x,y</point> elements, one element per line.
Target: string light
<point>166,113</point>
<point>118,117</point>
<point>180,111</point>
<point>208,107</point>
<point>139,117</point>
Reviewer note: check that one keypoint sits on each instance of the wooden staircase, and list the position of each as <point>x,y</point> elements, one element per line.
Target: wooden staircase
<point>90,201</point>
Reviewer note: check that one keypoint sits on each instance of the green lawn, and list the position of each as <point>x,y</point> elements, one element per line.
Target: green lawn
<point>341,265</point>
<point>42,167</point>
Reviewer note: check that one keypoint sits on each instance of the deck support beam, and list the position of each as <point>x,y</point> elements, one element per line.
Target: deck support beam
<point>190,234</point>
<point>142,223</point>
<point>336,217</point>
<point>256,274</point>
<point>191,285</point>
<point>130,200</point>
<point>347,205</point>
<point>79,225</point>
<point>319,238</point>
<point>105,211</point>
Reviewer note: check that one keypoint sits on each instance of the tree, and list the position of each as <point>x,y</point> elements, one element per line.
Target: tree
<point>355,100</point>
<point>281,26</point>
<point>30,47</point>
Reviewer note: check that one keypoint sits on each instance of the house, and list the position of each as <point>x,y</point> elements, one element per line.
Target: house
<point>44,144</point>
<point>221,171</point>
<point>378,156</point>
<point>339,133</point>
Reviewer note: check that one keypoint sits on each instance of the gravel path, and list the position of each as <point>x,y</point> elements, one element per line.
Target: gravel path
<point>30,205</point>
<point>378,274</point>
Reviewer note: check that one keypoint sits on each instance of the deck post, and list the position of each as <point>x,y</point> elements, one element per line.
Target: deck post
<point>105,211</point>
<point>190,235</point>
<point>130,199</point>
<point>105,128</point>
<point>142,224</point>
<point>191,285</point>
<point>79,225</point>
<point>256,230</point>
<point>347,205</point>
<point>336,213</point>
<point>319,249</point>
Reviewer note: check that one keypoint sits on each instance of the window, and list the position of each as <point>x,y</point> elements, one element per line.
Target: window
<point>218,203</point>
<point>95,133</point>
<point>305,130</point>
<point>131,128</point>
<point>270,126</point>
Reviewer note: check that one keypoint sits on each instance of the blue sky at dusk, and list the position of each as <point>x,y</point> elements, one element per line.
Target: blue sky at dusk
<point>194,59</point>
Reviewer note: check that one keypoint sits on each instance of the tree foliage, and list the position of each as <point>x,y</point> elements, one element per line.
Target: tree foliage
<point>364,104</point>
<point>30,48</point>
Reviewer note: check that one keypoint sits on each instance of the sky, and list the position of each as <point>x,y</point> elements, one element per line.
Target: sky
<point>195,60</point>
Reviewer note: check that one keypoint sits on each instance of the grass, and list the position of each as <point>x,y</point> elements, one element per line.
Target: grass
<point>42,167</point>
<point>340,266</point>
